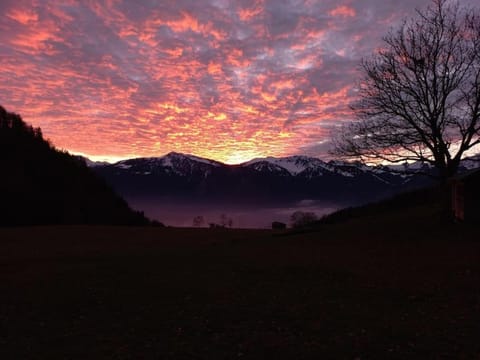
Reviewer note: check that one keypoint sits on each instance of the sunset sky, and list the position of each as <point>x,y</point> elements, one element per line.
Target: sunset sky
<point>223,79</point>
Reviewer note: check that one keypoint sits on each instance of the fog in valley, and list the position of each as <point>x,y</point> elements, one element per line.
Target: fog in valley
<point>261,216</point>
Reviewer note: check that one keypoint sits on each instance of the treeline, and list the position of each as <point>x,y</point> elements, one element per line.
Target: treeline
<point>42,185</point>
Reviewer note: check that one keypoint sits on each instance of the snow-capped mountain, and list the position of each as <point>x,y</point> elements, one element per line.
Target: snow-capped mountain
<point>173,163</point>
<point>188,177</point>
<point>294,165</point>
<point>312,167</point>
<point>472,162</point>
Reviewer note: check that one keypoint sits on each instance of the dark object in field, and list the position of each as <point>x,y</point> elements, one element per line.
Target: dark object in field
<point>465,191</point>
<point>276,225</point>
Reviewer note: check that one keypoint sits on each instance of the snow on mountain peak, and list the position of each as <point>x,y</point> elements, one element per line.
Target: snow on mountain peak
<point>293,164</point>
<point>123,165</point>
<point>304,166</point>
<point>174,163</point>
<point>174,156</point>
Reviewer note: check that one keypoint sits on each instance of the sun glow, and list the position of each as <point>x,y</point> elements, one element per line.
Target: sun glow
<point>240,157</point>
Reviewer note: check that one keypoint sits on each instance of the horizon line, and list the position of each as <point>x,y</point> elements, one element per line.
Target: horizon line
<point>116,159</point>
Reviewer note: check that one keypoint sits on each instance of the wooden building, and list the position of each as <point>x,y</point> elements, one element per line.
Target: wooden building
<point>466,196</point>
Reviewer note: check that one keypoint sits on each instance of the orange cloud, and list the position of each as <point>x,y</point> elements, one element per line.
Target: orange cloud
<point>268,97</point>
<point>116,79</point>
<point>214,68</point>
<point>343,11</point>
<point>248,14</point>
<point>23,16</point>
<point>185,23</point>
<point>236,58</point>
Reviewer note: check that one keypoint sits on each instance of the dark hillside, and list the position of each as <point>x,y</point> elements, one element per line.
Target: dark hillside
<point>42,185</point>
<point>433,202</point>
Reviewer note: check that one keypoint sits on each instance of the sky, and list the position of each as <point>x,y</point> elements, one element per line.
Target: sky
<point>222,79</point>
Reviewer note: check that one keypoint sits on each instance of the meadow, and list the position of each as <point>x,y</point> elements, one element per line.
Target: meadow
<point>391,286</point>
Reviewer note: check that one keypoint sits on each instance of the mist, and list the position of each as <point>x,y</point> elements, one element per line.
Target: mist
<point>259,216</point>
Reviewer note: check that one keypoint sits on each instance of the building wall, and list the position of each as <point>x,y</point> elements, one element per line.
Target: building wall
<point>472,197</point>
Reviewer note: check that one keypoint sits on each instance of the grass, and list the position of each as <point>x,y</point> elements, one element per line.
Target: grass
<point>400,285</point>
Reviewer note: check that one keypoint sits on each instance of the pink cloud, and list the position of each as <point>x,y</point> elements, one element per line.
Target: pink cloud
<point>343,11</point>
<point>23,16</point>
<point>120,79</point>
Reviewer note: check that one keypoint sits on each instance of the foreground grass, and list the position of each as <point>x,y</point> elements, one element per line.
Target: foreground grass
<point>396,287</point>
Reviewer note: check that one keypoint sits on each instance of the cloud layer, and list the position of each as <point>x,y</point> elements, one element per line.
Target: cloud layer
<point>225,79</point>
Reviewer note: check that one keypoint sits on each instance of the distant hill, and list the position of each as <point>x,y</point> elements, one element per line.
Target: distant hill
<point>182,177</point>
<point>42,185</point>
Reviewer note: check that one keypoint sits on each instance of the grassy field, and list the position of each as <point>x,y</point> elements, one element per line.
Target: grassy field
<point>398,286</point>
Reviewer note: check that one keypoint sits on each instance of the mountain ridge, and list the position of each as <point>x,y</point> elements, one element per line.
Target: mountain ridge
<point>185,177</point>
<point>293,164</point>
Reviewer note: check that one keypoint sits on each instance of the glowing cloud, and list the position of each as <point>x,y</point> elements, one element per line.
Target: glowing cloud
<point>343,11</point>
<point>226,80</point>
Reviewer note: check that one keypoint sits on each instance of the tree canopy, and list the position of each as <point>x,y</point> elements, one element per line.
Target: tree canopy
<point>419,97</point>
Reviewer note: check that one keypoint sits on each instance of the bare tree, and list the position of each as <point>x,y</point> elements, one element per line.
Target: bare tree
<point>198,221</point>
<point>225,221</point>
<point>419,98</point>
<point>301,219</point>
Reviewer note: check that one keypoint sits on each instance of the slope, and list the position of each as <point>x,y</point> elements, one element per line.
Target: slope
<point>42,185</point>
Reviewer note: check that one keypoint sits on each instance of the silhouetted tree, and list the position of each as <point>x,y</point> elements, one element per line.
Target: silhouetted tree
<point>198,221</point>
<point>226,221</point>
<point>302,218</point>
<point>420,95</point>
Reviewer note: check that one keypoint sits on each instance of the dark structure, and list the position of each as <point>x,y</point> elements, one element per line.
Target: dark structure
<point>466,196</point>
<point>276,225</point>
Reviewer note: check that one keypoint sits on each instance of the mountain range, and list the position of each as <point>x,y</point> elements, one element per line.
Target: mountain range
<point>183,177</point>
